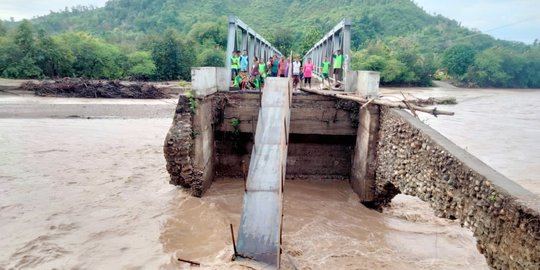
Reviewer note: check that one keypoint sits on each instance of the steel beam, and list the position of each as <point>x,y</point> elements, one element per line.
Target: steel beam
<point>337,38</point>
<point>231,44</point>
<point>254,43</point>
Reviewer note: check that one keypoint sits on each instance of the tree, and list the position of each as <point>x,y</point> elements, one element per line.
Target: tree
<point>211,33</point>
<point>310,37</point>
<point>24,37</point>
<point>3,30</point>
<point>532,68</point>
<point>211,57</point>
<point>93,57</point>
<point>487,69</point>
<point>399,62</point>
<point>140,64</point>
<point>173,56</point>
<point>17,55</point>
<point>378,57</point>
<point>282,39</point>
<point>458,59</point>
<point>364,29</point>
<point>24,68</point>
<point>53,58</point>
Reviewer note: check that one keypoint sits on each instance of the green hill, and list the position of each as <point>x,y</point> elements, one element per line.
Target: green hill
<point>127,20</point>
<point>395,37</point>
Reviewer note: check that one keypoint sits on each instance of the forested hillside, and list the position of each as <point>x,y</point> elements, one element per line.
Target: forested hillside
<point>161,39</point>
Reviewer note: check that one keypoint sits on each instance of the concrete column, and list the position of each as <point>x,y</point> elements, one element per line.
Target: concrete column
<point>231,38</point>
<point>346,48</point>
<point>365,153</point>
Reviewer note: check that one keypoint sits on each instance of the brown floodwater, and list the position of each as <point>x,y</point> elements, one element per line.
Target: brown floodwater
<point>94,194</point>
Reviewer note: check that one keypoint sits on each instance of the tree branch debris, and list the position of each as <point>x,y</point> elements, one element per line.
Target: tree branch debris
<point>409,104</point>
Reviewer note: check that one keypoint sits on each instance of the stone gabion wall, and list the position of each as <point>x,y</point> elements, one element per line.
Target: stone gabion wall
<point>178,147</point>
<point>415,160</point>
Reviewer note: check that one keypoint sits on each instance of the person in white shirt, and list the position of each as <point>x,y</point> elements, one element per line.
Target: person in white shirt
<point>296,71</point>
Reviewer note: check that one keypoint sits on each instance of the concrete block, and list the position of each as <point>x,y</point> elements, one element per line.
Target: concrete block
<point>351,81</point>
<point>204,81</point>
<point>222,79</point>
<point>368,83</point>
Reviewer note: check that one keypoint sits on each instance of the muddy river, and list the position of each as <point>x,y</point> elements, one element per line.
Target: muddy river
<point>85,187</point>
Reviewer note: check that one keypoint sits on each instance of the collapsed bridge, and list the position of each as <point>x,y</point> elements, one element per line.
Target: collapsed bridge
<point>349,134</point>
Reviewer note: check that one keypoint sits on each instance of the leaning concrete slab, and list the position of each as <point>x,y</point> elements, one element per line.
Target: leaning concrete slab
<point>260,225</point>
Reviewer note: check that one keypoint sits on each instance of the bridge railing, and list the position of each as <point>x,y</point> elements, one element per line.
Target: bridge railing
<point>339,38</point>
<point>242,37</point>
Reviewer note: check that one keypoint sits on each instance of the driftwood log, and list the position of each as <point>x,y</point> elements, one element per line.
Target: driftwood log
<point>392,104</point>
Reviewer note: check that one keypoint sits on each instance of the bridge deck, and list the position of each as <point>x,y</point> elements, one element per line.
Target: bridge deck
<point>260,225</point>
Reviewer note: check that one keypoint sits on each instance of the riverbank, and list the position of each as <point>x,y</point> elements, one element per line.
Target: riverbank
<point>29,106</point>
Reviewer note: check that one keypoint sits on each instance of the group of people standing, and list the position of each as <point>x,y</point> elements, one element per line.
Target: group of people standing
<point>247,78</point>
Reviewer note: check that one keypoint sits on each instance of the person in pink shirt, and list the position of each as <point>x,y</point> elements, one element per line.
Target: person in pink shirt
<point>308,69</point>
<point>282,67</point>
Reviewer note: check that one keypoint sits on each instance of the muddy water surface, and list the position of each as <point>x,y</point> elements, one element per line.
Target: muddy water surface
<point>93,194</point>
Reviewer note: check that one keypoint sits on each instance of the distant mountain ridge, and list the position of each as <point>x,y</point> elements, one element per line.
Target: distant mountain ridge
<point>126,20</point>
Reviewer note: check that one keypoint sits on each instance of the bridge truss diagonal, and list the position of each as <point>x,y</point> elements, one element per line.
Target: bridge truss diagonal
<point>242,37</point>
<point>339,38</point>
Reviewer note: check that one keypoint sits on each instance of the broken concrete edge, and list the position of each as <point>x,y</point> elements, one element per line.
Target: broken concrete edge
<point>188,147</point>
<point>416,160</point>
<point>363,168</point>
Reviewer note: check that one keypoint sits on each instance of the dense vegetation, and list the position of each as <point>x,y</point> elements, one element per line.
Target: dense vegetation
<point>161,39</point>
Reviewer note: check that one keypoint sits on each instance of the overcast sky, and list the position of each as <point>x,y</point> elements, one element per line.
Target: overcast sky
<point>505,19</point>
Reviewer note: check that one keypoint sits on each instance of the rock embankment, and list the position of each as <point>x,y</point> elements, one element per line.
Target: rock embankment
<point>415,160</point>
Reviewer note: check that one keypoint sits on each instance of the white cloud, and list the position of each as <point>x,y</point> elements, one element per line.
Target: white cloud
<point>505,19</point>
<point>27,9</point>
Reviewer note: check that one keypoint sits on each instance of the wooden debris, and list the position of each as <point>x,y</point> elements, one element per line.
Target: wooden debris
<point>69,87</point>
<point>382,102</point>
<point>189,261</point>
<point>233,241</point>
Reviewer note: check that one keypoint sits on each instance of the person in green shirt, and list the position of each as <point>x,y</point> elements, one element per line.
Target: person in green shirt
<point>237,80</point>
<point>262,72</point>
<point>255,83</point>
<point>338,64</point>
<point>325,69</point>
<point>235,64</point>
